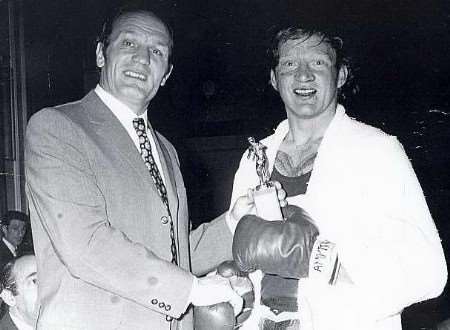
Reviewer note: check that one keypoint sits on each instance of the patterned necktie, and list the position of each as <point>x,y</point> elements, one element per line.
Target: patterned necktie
<point>146,153</point>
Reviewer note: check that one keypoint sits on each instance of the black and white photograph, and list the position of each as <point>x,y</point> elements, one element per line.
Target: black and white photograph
<point>224,165</point>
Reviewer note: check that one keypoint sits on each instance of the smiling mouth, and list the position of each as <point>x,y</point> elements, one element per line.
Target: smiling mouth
<point>305,92</point>
<point>136,75</point>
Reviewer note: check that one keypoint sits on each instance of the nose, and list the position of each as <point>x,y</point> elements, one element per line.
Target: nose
<point>21,232</point>
<point>304,73</point>
<point>142,56</point>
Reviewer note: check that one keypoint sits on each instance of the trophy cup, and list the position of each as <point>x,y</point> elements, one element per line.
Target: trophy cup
<point>265,194</point>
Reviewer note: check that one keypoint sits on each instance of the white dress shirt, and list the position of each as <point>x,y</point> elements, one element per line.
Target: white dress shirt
<point>10,246</point>
<point>125,115</point>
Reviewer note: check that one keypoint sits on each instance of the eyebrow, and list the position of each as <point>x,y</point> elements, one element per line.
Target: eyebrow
<point>159,39</point>
<point>30,275</point>
<point>320,54</point>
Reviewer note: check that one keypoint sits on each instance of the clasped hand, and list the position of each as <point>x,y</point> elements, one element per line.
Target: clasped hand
<point>213,289</point>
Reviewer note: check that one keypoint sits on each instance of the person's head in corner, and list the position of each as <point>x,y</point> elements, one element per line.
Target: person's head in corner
<point>18,288</point>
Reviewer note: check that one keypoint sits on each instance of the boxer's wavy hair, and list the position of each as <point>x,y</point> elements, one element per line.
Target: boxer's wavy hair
<point>304,33</point>
<point>108,24</point>
<point>7,279</point>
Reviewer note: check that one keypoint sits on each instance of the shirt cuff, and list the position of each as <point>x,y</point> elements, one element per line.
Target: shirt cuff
<point>231,223</point>
<point>193,289</point>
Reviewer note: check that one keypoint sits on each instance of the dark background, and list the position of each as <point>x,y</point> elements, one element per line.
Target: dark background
<point>219,94</point>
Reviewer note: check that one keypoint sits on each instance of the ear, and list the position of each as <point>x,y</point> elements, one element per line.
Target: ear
<point>4,229</point>
<point>167,75</point>
<point>273,80</point>
<point>342,76</point>
<point>100,57</point>
<point>8,298</point>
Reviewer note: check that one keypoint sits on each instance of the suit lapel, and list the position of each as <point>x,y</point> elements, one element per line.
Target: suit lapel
<point>116,136</point>
<point>4,247</point>
<point>7,323</point>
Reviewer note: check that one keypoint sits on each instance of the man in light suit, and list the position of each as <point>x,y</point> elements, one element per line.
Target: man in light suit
<point>109,214</point>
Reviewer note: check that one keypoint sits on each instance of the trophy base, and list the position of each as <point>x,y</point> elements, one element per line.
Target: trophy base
<point>267,204</point>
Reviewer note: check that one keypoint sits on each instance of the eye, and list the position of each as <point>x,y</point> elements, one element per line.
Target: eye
<point>128,43</point>
<point>288,63</point>
<point>157,52</point>
<point>320,62</point>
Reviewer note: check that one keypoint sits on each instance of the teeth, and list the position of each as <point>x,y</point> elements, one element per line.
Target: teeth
<point>304,91</point>
<point>136,75</point>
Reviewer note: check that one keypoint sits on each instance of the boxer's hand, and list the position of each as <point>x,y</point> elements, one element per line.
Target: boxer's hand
<point>221,316</point>
<point>275,247</point>
<point>214,289</point>
<point>216,317</point>
<point>246,204</point>
<point>241,284</point>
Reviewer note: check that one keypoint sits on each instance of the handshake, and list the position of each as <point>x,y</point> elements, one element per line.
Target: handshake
<point>237,302</point>
<point>280,248</point>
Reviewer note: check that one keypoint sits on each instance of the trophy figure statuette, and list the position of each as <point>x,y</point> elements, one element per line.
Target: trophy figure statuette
<point>265,194</point>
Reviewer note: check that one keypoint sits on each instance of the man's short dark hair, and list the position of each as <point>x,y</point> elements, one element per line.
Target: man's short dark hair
<point>13,215</point>
<point>108,24</point>
<point>7,279</point>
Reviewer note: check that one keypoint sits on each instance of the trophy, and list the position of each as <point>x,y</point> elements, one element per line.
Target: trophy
<point>265,194</point>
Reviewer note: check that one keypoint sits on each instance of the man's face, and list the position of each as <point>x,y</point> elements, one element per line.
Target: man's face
<point>15,231</point>
<point>306,77</point>
<point>25,273</point>
<point>135,62</point>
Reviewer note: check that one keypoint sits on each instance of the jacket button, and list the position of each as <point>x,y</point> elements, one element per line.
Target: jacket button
<point>154,301</point>
<point>164,220</point>
<point>168,307</point>
<point>162,305</point>
<point>169,318</point>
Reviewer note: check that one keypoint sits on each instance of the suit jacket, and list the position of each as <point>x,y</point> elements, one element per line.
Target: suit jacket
<point>5,254</point>
<point>6,323</point>
<point>99,226</point>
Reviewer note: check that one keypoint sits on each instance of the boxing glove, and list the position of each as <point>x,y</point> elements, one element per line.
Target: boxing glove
<point>215,317</point>
<point>275,247</point>
<point>221,316</point>
<point>241,284</point>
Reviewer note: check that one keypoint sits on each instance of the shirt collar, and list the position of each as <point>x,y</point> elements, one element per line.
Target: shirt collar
<point>122,112</point>
<point>19,323</point>
<point>10,246</point>
<point>283,128</point>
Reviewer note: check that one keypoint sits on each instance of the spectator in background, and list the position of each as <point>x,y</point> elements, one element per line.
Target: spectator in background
<point>18,289</point>
<point>14,226</point>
